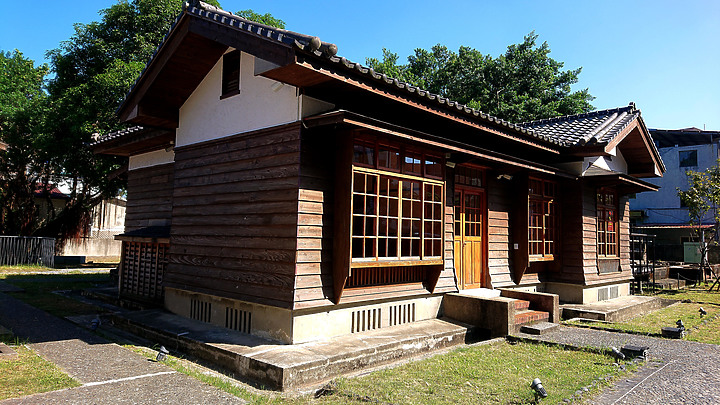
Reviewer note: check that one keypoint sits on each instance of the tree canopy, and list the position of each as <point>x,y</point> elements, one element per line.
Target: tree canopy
<point>22,168</point>
<point>524,84</point>
<point>47,129</point>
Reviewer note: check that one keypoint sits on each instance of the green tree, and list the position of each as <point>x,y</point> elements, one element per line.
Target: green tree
<point>266,18</point>
<point>23,167</point>
<point>48,133</point>
<point>702,199</point>
<point>523,84</point>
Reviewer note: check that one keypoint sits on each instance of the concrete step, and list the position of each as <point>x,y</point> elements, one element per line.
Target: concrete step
<point>670,283</point>
<point>521,305</point>
<point>539,328</point>
<point>530,316</point>
<point>283,367</point>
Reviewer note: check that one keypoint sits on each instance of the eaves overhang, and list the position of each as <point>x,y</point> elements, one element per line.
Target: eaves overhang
<point>354,120</point>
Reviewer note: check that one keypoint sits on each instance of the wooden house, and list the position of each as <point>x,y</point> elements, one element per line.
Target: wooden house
<point>278,189</point>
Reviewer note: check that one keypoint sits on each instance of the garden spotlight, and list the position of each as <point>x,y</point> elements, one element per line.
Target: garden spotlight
<point>162,354</point>
<point>538,387</point>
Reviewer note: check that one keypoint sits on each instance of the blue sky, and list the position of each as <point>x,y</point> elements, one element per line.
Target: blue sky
<point>663,55</point>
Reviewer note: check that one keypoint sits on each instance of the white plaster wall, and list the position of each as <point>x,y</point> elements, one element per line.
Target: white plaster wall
<point>663,206</point>
<point>312,106</point>
<point>262,103</point>
<point>616,162</point>
<point>158,157</point>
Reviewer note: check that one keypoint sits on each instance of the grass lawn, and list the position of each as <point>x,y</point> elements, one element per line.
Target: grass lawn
<point>708,332</point>
<point>39,291</point>
<point>692,294</point>
<point>485,374</point>
<point>498,373</point>
<point>30,374</point>
<point>23,269</point>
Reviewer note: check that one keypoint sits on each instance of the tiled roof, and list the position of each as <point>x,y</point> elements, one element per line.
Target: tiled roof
<point>586,129</point>
<point>314,46</point>
<point>149,232</point>
<point>50,190</point>
<point>117,134</point>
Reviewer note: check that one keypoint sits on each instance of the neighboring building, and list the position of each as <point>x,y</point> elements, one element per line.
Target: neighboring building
<point>662,213</point>
<point>107,222</point>
<point>277,189</point>
<point>108,219</point>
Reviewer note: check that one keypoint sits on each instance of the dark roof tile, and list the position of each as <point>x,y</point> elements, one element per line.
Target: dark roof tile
<point>586,129</point>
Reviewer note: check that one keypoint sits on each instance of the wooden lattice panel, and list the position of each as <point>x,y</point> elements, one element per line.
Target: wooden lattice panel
<point>143,267</point>
<point>377,276</point>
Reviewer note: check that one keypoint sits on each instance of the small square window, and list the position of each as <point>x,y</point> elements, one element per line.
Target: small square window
<point>688,158</point>
<point>231,74</point>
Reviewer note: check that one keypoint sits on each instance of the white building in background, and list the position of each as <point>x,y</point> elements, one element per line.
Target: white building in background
<point>661,213</point>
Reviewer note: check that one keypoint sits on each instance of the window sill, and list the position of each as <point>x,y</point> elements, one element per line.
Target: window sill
<point>230,94</point>
<point>396,263</point>
<point>548,258</point>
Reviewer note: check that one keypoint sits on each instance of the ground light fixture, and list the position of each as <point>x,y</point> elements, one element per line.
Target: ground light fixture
<point>162,354</point>
<point>702,311</point>
<point>680,324</point>
<point>538,388</point>
<point>617,353</point>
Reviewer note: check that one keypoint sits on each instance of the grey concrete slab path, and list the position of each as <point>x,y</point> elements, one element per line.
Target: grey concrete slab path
<point>109,373</point>
<point>680,372</point>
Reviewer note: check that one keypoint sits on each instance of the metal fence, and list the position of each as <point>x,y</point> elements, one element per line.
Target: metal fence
<point>15,250</point>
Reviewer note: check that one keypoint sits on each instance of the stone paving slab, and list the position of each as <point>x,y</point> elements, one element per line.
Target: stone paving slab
<point>109,373</point>
<point>172,388</point>
<point>680,371</point>
<point>97,362</point>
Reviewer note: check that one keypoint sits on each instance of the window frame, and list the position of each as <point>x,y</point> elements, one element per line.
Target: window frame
<point>543,233</point>
<point>426,227</point>
<point>689,152</point>
<point>230,82</point>
<point>607,205</point>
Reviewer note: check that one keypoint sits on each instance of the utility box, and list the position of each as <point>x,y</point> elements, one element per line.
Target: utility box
<point>691,252</point>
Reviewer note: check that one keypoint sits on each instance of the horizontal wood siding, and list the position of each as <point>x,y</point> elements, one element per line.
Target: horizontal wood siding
<point>499,202</point>
<point>313,273</point>
<point>235,217</point>
<point>149,197</point>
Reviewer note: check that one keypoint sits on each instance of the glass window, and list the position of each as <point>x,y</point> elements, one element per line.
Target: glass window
<point>231,74</point>
<point>542,218</point>
<point>607,223</point>
<point>396,216</point>
<point>687,158</point>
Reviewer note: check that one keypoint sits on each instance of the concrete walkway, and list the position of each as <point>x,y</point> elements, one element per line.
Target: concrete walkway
<point>109,373</point>
<point>680,372</point>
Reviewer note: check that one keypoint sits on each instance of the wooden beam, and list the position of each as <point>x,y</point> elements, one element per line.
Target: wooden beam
<point>267,49</point>
<point>166,51</point>
<point>407,99</point>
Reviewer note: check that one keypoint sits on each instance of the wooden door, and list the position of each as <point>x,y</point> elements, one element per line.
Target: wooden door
<point>469,243</point>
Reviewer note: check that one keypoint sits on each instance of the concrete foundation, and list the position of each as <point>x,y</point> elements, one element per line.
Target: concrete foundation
<point>615,310</point>
<point>295,366</point>
<point>579,294</point>
<point>300,326</point>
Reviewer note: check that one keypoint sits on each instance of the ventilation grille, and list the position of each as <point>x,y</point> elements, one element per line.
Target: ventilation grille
<point>200,310</point>
<point>366,320</point>
<point>609,293</point>
<point>400,314</point>
<point>238,320</point>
